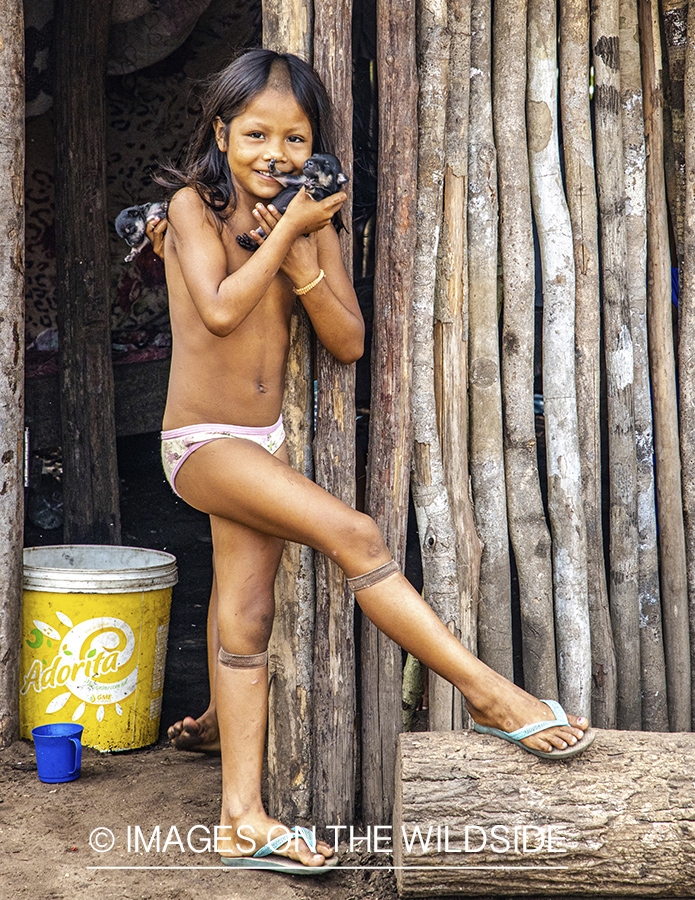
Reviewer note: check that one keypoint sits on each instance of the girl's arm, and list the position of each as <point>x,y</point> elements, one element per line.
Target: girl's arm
<point>224,300</point>
<point>332,305</point>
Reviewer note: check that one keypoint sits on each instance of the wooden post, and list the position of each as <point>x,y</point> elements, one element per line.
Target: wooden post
<point>654,707</point>
<point>494,821</point>
<point>451,325</point>
<point>618,352</point>
<point>90,484</point>
<point>674,15</point>
<point>334,688</point>
<point>527,526</point>
<point>484,390</point>
<point>287,28</point>
<point>559,394</point>
<point>430,495</point>
<point>582,203</point>
<point>662,367</point>
<point>686,347</point>
<point>390,426</point>
<point>11,360</point>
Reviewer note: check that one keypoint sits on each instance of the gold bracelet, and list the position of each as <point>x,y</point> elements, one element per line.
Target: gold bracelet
<point>312,284</point>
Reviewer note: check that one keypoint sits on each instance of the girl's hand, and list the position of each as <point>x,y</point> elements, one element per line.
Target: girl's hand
<point>155,229</point>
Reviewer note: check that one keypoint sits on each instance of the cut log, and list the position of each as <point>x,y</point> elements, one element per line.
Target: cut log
<point>11,360</point>
<point>617,821</point>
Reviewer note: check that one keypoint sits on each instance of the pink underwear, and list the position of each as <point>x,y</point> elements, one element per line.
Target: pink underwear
<point>179,443</point>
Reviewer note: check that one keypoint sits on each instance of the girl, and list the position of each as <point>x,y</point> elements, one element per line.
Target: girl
<point>222,444</point>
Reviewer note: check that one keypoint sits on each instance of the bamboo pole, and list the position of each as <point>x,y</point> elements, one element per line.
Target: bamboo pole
<point>662,369</point>
<point>390,426</point>
<point>560,404</point>
<point>618,352</point>
<point>11,360</point>
<point>430,495</point>
<point>90,483</point>
<point>486,444</point>
<point>654,707</point>
<point>582,202</point>
<point>451,326</point>
<point>686,347</point>
<point>287,28</point>
<point>334,688</point>
<point>527,526</point>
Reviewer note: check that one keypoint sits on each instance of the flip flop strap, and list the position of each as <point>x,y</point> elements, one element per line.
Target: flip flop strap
<point>284,839</point>
<point>535,727</point>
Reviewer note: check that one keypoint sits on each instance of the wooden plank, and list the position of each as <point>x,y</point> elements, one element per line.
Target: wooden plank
<point>90,485</point>
<point>334,685</point>
<point>390,426</point>
<point>621,818</point>
<point>11,360</point>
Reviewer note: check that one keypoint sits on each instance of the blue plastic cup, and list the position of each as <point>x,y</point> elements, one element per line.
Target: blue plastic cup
<point>58,751</point>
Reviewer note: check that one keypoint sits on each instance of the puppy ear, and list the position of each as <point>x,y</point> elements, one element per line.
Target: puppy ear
<point>342,179</point>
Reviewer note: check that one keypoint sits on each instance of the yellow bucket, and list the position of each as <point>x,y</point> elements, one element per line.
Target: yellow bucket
<point>95,623</point>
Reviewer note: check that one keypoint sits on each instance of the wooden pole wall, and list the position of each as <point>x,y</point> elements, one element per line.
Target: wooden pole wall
<point>11,360</point>
<point>90,484</point>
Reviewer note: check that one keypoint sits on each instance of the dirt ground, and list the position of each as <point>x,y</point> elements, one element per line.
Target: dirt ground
<point>45,832</point>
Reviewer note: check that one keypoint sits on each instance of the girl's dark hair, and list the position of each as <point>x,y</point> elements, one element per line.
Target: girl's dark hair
<point>204,166</point>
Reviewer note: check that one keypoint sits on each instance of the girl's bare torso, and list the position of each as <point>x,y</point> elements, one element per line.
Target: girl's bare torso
<point>233,380</point>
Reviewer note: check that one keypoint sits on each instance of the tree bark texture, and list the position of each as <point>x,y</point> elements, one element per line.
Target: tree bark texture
<point>654,707</point>
<point>622,818</point>
<point>287,28</point>
<point>484,389</point>
<point>662,370</point>
<point>451,322</point>
<point>675,39</point>
<point>527,526</point>
<point>390,426</point>
<point>565,507</point>
<point>334,687</point>
<point>582,203</point>
<point>686,347</point>
<point>618,352</point>
<point>11,360</point>
<point>90,483</point>
<point>430,495</point>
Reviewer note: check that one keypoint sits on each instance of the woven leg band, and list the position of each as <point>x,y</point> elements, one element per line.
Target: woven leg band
<point>360,582</point>
<point>233,661</point>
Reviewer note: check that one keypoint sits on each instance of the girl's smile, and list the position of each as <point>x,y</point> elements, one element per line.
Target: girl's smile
<point>272,126</point>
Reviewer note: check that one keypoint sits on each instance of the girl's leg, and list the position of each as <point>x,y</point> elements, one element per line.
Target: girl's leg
<point>202,734</point>
<point>246,562</point>
<point>238,481</point>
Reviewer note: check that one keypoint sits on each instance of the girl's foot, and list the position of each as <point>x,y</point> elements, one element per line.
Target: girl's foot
<point>200,735</point>
<point>245,835</point>
<point>508,707</point>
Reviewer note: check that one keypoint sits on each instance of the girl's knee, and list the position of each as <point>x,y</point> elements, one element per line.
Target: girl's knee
<point>362,545</point>
<point>245,626</point>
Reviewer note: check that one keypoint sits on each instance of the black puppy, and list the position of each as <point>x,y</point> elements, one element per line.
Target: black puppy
<point>322,175</point>
<point>131,224</point>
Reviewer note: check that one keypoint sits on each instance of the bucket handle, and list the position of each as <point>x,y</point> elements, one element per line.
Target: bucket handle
<point>78,755</point>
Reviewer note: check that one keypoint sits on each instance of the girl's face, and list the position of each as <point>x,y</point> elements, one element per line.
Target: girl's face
<point>272,126</point>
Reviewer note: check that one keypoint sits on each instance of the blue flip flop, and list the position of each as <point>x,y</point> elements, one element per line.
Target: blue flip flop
<point>515,737</point>
<point>267,859</point>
